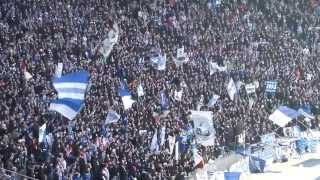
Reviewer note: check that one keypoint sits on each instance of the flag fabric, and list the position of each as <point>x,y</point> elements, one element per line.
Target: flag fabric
<point>162,63</point>
<point>162,136</point>
<point>271,86</point>
<point>239,84</point>
<point>140,91</point>
<point>203,127</point>
<point>232,89</point>
<point>69,108</point>
<point>154,147</point>
<point>42,133</point>
<point>176,155</point>
<point>214,67</point>
<point>250,88</point>
<point>251,102</point>
<point>159,61</point>
<point>283,115</point>
<point>242,138</point>
<point>182,57</point>
<point>172,141</point>
<point>110,41</point>
<point>198,161</point>
<point>112,117</point>
<point>125,96</point>
<point>306,112</point>
<point>27,75</point>
<point>256,165</point>
<point>71,90</point>
<point>164,100</point>
<point>213,100</point>
<point>59,69</point>
<point>178,95</point>
<point>268,139</point>
<point>232,175</point>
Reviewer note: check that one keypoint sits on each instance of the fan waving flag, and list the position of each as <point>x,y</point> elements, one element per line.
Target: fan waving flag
<point>283,115</point>
<point>125,96</point>
<point>112,117</point>
<point>232,89</point>
<point>71,90</point>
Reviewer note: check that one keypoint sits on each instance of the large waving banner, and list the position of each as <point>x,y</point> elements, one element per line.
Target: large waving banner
<point>110,41</point>
<point>203,127</point>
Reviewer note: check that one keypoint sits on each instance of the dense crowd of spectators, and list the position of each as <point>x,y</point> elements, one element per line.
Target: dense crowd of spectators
<point>256,40</point>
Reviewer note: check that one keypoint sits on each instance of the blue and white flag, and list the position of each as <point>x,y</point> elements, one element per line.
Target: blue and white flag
<point>271,86</point>
<point>232,89</point>
<point>283,115</point>
<point>159,61</point>
<point>268,139</point>
<point>112,117</point>
<point>42,133</point>
<point>213,100</point>
<point>164,100</point>
<point>125,96</point>
<point>72,86</point>
<point>306,112</point>
<point>71,90</point>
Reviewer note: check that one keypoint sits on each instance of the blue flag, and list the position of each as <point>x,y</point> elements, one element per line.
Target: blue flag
<point>164,101</point>
<point>71,90</point>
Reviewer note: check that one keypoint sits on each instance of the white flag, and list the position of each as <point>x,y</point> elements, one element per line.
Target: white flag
<point>112,117</point>
<point>213,100</point>
<point>176,155</point>
<point>110,41</point>
<point>214,67</point>
<point>242,138</point>
<point>203,127</point>
<point>140,90</point>
<point>154,147</point>
<point>178,95</point>
<point>162,62</point>
<point>182,57</point>
<point>59,70</point>
<point>27,75</point>
<point>162,136</point>
<point>172,141</point>
<point>250,88</point>
<point>232,89</point>
<point>197,158</point>
<point>42,132</point>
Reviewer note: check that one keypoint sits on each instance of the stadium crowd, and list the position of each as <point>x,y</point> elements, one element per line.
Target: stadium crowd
<point>256,40</point>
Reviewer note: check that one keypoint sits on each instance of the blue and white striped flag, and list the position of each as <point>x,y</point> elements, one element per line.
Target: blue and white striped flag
<point>283,115</point>
<point>71,90</point>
